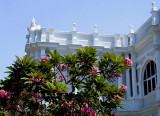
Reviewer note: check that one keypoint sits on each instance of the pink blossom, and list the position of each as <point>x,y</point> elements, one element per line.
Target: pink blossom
<point>52,105</point>
<point>38,97</point>
<point>68,104</point>
<point>124,88</point>
<point>61,77</point>
<point>62,67</point>
<point>8,97</point>
<point>117,96</point>
<point>118,75</point>
<point>70,113</point>
<point>86,110</point>
<point>44,59</point>
<point>95,70</point>
<point>36,79</point>
<point>128,61</point>
<point>5,94</point>
<point>85,105</point>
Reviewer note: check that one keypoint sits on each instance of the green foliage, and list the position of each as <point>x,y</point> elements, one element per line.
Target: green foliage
<point>48,86</point>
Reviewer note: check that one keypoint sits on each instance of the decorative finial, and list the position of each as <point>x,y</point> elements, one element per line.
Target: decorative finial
<point>154,6</point>
<point>131,29</point>
<point>74,27</point>
<point>33,23</point>
<point>95,28</point>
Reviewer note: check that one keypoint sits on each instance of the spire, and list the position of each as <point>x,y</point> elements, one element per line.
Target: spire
<point>33,23</point>
<point>131,29</point>
<point>74,27</point>
<point>95,29</point>
<point>154,8</point>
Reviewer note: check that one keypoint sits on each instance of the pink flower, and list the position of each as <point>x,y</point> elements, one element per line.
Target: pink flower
<point>8,97</point>
<point>70,113</point>
<point>118,75</point>
<point>124,88</point>
<point>44,59</point>
<point>3,93</point>
<point>61,77</point>
<point>95,70</point>
<point>117,96</point>
<point>85,105</point>
<point>52,105</point>
<point>85,110</point>
<point>38,97</point>
<point>62,67</point>
<point>128,61</point>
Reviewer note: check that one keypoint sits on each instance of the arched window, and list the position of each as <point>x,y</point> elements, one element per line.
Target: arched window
<point>150,77</point>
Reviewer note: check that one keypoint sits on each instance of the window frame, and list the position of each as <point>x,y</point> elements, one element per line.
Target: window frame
<point>149,88</point>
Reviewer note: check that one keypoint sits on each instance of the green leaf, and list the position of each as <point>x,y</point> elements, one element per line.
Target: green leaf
<point>28,82</point>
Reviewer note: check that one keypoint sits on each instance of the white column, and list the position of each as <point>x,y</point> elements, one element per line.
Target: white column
<point>32,36</point>
<point>140,81</point>
<point>51,35</point>
<point>157,55</point>
<point>37,54</point>
<point>74,34</point>
<point>43,35</point>
<point>119,78</point>
<point>128,83</point>
<point>42,52</point>
<point>134,82</point>
<point>117,40</point>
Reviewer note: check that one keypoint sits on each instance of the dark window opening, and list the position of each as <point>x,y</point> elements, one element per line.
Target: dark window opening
<point>150,77</point>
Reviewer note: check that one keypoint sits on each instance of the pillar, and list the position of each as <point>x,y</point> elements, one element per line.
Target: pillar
<point>155,14</point>
<point>95,36</point>
<point>74,34</point>
<point>51,35</point>
<point>42,52</point>
<point>43,35</point>
<point>128,82</point>
<point>140,81</point>
<point>117,40</point>
<point>119,78</point>
<point>134,81</point>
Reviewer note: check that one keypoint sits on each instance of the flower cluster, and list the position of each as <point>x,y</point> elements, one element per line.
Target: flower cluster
<point>62,67</point>
<point>5,94</point>
<point>61,77</point>
<point>37,97</point>
<point>128,61</point>
<point>124,88</point>
<point>113,75</point>
<point>87,110</point>
<point>117,97</point>
<point>36,79</point>
<point>68,104</point>
<point>95,70</point>
<point>70,113</point>
<point>44,59</point>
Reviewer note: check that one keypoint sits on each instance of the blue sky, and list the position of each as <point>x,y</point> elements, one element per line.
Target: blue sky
<point>111,16</point>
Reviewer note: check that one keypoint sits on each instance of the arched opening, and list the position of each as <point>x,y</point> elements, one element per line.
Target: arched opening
<point>150,77</point>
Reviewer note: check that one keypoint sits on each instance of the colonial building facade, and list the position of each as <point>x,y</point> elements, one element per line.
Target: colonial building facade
<point>142,46</point>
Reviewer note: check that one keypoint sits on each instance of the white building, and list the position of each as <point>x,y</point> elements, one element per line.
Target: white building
<point>142,46</point>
